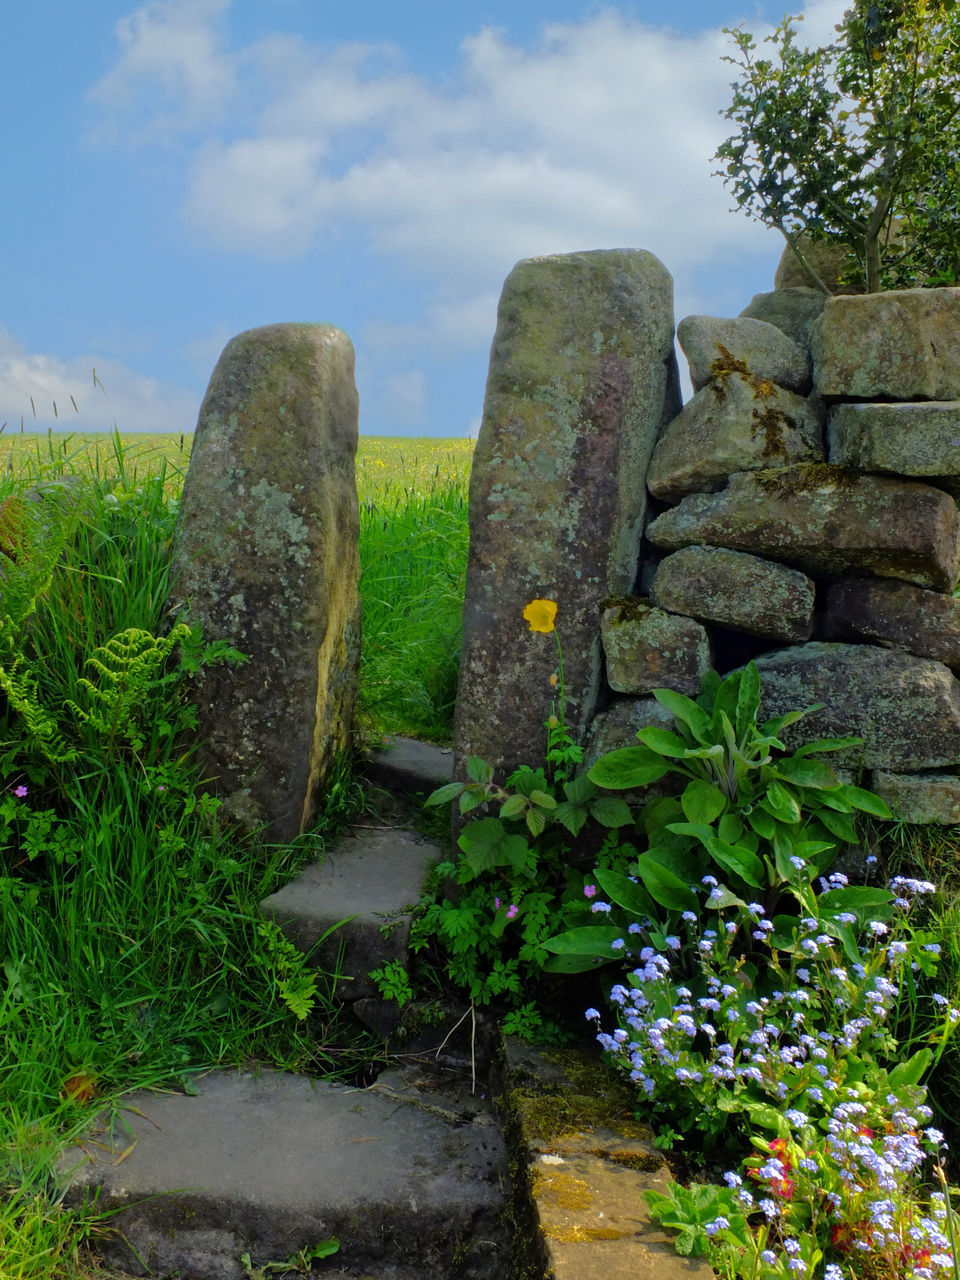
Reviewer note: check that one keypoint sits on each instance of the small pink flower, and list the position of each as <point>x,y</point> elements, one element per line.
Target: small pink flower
<point>589,890</point>
<point>20,792</point>
<point>496,903</point>
<point>512,911</point>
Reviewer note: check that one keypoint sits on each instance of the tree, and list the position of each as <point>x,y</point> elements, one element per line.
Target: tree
<point>856,142</point>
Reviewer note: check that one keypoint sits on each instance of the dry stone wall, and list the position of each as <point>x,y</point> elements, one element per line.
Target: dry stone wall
<point>802,512</point>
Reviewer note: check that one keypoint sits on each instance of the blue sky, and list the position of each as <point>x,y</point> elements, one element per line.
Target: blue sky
<point>180,171</point>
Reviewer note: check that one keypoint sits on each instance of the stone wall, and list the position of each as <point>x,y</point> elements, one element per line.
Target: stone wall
<point>801,511</point>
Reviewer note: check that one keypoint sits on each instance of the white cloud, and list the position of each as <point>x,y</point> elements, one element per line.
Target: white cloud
<point>91,393</point>
<point>172,74</point>
<point>598,136</point>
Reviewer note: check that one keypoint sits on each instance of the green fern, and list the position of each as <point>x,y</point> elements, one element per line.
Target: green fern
<point>296,984</point>
<point>128,669</point>
<point>35,526</point>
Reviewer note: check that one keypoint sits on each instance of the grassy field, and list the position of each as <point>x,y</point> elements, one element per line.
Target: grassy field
<point>386,465</point>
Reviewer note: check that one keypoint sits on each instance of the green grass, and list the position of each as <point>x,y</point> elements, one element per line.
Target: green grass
<point>131,950</point>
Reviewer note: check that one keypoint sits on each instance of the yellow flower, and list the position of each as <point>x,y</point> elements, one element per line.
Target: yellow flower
<point>541,615</point>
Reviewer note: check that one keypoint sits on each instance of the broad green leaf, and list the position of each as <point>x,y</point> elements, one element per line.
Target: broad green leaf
<point>471,799</point>
<point>699,830</point>
<point>486,845</point>
<point>835,800</point>
<point>840,825</point>
<point>762,822</point>
<point>663,742</point>
<point>784,934</point>
<point>781,803</point>
<point>443,795</point>
<point>867,802</point>
<point>574,963</point>
<point>629,767</point>
<point>730,828</point>
<point>827,744</point>
<point>912,1071</point>
<point>665,887</point>
<point>625,893</point>
<point>702,801</point>
<point>777,724</point>
<point>589,940</point>
<point>725,898</point>
<point>864,903</point>
<point>611,811</point>
<point>769,1117</point>
<point>807,773</point>
<point>748,701</point>
<point>686,711</point>
<point>738,861</point>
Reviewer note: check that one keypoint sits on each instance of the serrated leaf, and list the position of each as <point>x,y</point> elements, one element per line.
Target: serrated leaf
<point>579,789</point>
<point>543,799</point>
<point>571,816</point>
<point>611,811</point>
<point>512,807</point>
<point>536,821</point>
<point>479,770</point>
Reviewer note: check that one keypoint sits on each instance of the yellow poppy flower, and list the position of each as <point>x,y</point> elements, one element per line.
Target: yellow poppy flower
<point>541,615</point>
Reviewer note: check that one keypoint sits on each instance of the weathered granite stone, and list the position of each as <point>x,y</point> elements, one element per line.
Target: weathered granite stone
<point>902,345</point>
<point>920,797</point>
<point>827,258</point>
<point>267,558</point>
<point>920,439</point>
<point>825,520</point>
<point>582,377</point>
<point>926,623</point>
<point>712,345</point>
<point>733,589</point>
<point>616,726</point>
<point>647,649</point>
<point>906,709</point>
<point>792,310</point>
<point>735,423</point>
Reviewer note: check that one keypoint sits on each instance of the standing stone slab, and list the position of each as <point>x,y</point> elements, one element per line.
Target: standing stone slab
<point>906,709</point>
<point>267,558</point>
<point>793,311</point>
<point>902,345</point>
<point>649,649</point>
<point>582,375</point>
<point>713,344</point>
<point>733,589</point>
<point>926,623</point>
<point>736,423</point>
<point>920,439</point>
<point>920,797</point>
<point>825,520</point>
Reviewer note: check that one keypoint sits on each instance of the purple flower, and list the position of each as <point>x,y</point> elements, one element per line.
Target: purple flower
<point>512,911</point>
<point>589,890</point>
<point>20,792</point>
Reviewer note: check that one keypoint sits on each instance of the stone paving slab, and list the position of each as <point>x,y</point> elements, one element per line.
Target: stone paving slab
<point>273,1163</point>
<point>372,880</point>
<point>405,764</point>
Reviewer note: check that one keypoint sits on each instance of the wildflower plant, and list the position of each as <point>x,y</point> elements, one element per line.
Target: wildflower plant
<point>516,884</point>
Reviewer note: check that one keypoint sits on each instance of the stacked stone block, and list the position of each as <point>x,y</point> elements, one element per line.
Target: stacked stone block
<point>811,485</point>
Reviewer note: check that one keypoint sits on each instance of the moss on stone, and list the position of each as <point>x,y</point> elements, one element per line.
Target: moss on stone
<point>628,609</point>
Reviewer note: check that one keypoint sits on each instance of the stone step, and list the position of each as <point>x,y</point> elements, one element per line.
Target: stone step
<point>411,1184</point>
<point>408,765</point>
<point>352,910</point>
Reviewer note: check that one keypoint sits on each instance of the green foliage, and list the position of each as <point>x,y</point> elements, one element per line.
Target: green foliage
<point>856,142</point>
<point>762,821</point>
<point>689,1210</point>
<point>515,885</point>
<point>393,982</point>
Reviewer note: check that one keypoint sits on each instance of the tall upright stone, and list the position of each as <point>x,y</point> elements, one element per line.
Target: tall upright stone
<point>582,376</point>
<point>267,558</point>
